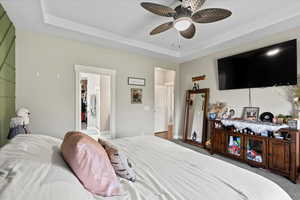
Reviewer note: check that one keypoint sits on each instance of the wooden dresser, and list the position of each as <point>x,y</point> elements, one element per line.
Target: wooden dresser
<point>280,156</point>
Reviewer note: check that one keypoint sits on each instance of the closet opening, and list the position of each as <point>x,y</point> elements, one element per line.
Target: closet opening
<point>164,102</point>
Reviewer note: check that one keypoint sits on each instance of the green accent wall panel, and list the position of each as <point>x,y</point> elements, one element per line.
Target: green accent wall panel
<point>2,11</point>
<point>10,60</point>
<point>6,45</point>
<point>7,74</point>
<point>4,24</point>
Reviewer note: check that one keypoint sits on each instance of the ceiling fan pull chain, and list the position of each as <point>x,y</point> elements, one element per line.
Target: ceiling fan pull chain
<point>179,40</point>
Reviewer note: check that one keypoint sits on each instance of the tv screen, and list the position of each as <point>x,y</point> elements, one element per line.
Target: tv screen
<point>274,65</point>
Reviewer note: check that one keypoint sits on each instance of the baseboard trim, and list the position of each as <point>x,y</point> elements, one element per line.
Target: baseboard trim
<point>176,137</point>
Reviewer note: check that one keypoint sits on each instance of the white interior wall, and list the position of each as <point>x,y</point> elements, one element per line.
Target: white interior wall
<point>45,83</point>
<point>272,99</point>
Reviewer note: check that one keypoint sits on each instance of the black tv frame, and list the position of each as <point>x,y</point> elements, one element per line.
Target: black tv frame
<point>293,82</point>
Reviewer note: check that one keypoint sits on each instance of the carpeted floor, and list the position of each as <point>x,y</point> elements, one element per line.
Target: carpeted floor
<point>292,189</point>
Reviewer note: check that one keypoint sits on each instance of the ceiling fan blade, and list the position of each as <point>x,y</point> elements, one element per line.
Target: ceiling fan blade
<point>162,28</point>
<point>211,15</point>
<point>189,33</point>
<point>158,9</point>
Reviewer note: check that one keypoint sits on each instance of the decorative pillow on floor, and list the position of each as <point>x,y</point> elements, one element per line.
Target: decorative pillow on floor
<point>119,161</point>
<point>90,163</point>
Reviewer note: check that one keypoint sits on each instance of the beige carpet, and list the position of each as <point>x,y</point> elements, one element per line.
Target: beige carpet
<point>292,189</point>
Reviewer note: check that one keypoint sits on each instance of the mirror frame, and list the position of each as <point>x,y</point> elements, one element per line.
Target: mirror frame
<point>186,118</point>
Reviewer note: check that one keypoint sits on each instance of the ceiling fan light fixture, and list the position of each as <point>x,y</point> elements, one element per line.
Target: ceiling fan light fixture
<point>185,15</point>
<point>182,23</point>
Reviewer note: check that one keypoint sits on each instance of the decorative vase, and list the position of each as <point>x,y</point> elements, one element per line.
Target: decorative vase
<point>212,116</point>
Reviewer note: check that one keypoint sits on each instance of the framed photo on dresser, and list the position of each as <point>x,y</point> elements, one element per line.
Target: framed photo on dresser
<point>251,113</point>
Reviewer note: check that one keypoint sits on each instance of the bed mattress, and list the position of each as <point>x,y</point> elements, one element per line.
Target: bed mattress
<point>31,167</point>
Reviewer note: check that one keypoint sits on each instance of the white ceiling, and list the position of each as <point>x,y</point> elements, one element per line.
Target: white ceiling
<point>125,24</point>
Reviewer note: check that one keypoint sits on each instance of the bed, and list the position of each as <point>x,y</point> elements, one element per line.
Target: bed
<point>31,167</point>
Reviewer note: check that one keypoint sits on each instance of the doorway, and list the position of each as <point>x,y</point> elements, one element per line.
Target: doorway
<point>90,103</point>
<point>164,102</point>
<point>95,101</point>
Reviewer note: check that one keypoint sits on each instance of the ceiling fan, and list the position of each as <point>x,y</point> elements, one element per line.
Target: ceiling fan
<point>185,15</point>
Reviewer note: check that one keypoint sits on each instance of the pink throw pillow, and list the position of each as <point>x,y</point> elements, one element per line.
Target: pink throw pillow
<point>90,163</point>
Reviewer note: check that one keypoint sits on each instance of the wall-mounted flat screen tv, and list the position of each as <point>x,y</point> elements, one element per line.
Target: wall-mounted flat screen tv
<point>274,65</point>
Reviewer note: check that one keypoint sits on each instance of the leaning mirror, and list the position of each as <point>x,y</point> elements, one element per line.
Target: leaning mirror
<point>195,116</point>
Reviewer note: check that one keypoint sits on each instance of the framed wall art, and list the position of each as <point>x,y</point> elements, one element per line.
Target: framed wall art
<point>136,96</point>
<point>136,81</point>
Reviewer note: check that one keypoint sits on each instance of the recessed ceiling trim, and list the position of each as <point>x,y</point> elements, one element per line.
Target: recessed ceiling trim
<point>241,34</point>
<point>245,32</point>
<point>88,30</point>
<point>95,32</point>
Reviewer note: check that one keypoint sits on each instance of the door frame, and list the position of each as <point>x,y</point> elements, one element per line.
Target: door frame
<point>101,71</point>
<point>174,96</point>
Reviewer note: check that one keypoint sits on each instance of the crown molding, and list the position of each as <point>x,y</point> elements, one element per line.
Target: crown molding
<point>95,32</point>
<point>240,35</point>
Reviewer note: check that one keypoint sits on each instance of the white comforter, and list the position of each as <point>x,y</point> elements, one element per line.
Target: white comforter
<point>31,168</point>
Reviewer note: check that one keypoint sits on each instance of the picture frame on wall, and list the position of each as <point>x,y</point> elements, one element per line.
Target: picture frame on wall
<point>251,113</point>
<point>136,96</point>
<point>136,81</point>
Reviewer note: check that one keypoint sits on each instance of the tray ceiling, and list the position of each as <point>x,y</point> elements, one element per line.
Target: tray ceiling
<point>125,24</point>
